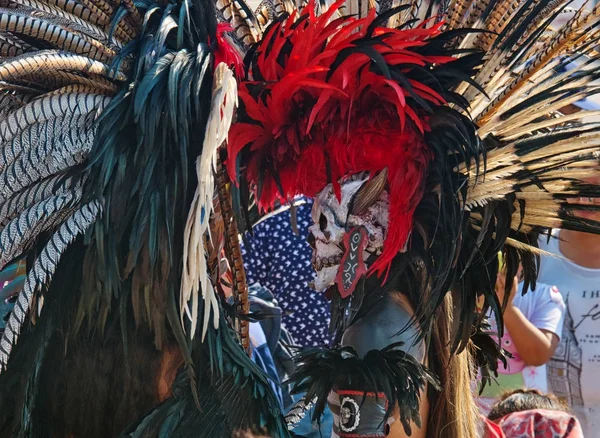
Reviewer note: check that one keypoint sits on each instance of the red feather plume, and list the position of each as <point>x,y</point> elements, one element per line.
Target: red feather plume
<point>321,105</point>
<point>226,52</point>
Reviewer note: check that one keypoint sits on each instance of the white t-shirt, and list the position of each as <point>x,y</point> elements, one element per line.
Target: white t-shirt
<point>545,309</point>
<point>574,371</point>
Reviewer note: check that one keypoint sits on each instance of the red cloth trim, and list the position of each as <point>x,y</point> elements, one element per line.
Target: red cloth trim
<point>541,423</point>
<point>491,429</point>
<point>353,392</point>
<point>355,435</point>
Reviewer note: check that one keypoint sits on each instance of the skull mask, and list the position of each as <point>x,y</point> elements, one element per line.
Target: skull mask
<point>363,203</point>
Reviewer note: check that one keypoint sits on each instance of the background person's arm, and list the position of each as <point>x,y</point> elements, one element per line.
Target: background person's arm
<point>535,346</point>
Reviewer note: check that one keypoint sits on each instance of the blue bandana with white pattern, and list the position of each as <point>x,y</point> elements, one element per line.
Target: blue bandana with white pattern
<point>280,260</point>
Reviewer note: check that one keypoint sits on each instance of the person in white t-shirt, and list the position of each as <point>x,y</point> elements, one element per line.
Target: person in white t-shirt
<point>533,324</point>
<point>574,370</point>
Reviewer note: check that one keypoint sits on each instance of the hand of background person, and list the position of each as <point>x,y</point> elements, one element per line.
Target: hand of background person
<point>501,289</point>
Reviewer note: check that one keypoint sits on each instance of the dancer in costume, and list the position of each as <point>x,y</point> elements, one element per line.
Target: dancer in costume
<point>111,114</point>
<point>428,148</point>
<point>111,117</point>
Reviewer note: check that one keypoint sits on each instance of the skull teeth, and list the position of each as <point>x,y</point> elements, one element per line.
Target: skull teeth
<point>326,262</point>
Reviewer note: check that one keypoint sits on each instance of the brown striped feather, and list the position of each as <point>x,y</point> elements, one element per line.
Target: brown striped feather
<point>53,79</point>
<point>495,70</point>
<point>496,22</point>
<point>44,109</point>
<point>25,64</point>
<point>11,45</point>
<point>133,12</point>
<point>559,44</point>
<point>84,26</point>
<point>49,32</point>
<point>456,13</point>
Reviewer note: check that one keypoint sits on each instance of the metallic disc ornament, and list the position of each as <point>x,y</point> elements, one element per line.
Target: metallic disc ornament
<point>349,415</point>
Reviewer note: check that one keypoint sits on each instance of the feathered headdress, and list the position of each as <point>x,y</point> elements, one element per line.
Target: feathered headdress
<point>327,98</point>
<point>465,122</point>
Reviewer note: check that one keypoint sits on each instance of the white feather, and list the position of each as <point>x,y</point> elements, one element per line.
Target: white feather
<point>195,275</point>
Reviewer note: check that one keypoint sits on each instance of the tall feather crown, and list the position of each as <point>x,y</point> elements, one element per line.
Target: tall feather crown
<point>328,98</point>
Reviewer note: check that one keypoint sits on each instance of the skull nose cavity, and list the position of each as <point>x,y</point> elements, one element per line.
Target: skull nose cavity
<point>323,226</point>
<point>311,240</point>
<point>323,222</point>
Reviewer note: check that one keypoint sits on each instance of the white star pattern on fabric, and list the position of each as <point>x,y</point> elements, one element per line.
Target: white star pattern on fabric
<point>281,261</point>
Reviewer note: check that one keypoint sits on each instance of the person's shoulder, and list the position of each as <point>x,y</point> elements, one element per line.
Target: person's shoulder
<point>387,323</point>
<point>541,295</point>
<point>549,242</point>
<point>274,221</point>
<point>281,219</point>
<point>549,293</point>
<point>553,264</point>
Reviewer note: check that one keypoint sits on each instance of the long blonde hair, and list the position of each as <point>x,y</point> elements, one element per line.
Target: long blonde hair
<point>452,410</point>
<point>453,413</point>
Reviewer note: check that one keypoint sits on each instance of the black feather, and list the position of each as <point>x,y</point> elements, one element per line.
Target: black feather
<point>392,371</point>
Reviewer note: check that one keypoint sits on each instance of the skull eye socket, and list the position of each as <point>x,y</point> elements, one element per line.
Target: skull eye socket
<point>322,222</point>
